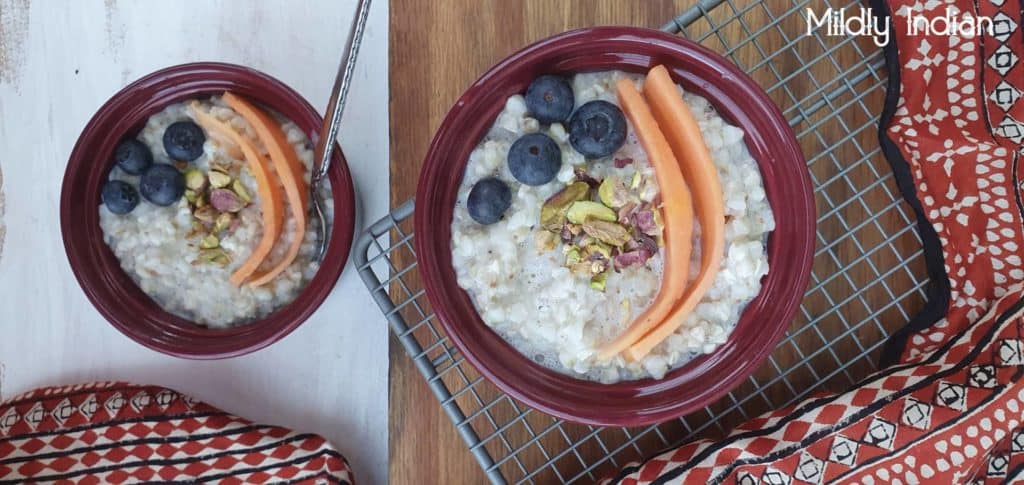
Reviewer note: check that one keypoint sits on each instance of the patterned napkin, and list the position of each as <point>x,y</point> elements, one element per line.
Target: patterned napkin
<point>122,433</point>
<point>950,406</point>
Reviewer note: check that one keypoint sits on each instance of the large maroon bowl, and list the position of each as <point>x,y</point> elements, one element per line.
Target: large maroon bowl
<point>790,246</point>
<point>110,289</point>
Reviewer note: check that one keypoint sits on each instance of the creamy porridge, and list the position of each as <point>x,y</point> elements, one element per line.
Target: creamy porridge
<point>525,279</point>
<point>186,239</point>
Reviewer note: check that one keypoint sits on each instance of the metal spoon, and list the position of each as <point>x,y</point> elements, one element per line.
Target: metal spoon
<point>332,121</point>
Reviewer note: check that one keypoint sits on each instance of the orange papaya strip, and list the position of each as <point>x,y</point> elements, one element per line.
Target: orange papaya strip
<point>677,214</point>
<point>683,134</point>
<point>287,166</point>
<point>271,205</point>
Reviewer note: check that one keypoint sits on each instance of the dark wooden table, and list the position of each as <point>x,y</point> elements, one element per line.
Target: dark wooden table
<point>438,47</point>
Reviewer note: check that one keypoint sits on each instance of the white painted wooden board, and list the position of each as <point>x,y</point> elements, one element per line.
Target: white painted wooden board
<point>59,61</point>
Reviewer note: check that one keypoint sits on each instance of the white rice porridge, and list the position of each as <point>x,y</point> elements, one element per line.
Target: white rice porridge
<point>554,316</point>
<point>156,248</point>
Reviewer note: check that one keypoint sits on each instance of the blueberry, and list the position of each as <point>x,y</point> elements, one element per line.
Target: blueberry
<point>184,141</point>
<point>162,184</point>
<point>597,129</point>
<point>133,156</point>
<point>550,99</point>
<point>534,159</point>
<point>488,200</point>
<point>119,197</point>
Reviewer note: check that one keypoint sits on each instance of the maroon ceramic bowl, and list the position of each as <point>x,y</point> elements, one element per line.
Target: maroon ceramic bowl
<point>790,246</point>
<point>110,289</point>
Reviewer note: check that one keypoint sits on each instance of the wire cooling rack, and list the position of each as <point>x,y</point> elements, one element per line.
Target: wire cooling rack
<point>867,280</point>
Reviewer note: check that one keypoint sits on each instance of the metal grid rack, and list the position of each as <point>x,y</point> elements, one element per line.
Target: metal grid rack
<point>867,280</point>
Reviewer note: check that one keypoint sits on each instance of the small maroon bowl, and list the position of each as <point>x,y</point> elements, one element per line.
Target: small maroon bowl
<point>790,246</point>
<point>98,271</point>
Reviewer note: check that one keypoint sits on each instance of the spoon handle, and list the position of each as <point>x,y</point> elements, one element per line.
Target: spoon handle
<point>342,83</point>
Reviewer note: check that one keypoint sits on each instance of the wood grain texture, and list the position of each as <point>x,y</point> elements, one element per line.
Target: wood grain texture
<point>868,270</point>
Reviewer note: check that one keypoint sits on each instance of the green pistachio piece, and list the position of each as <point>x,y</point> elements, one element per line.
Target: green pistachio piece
<point>196,229</point>
<point>607,232</point>
<point>553,212</point>
<point>613,192</point>
<point>201,201</point>
<point>219,179</point>
<point>194,179</point>
<point>239,189</point>
<point>223,222</point>
<point>597,247</point>
<point>584,210</point>
<point>599,282</point>
<point>209,242</point>
<point>205,214</point>
<point>635,183</point>
<point>572,257</point>
<point>216,256</point>
<point>191,196</point>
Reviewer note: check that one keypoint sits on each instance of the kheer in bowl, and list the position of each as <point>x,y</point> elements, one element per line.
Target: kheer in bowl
<point>184,211</point>
<point>629,228</point>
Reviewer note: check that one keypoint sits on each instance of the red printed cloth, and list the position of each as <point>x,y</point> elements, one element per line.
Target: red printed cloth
<point>122,433</point>
<point>950,406</point>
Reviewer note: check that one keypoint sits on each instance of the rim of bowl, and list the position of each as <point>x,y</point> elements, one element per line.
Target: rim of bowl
<point>112,292</point>
<point>790,246</point>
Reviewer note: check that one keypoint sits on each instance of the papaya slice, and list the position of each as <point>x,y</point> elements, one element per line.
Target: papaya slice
<point>683,135</point>
<point>271,205</point>
<point>677,214</point>
<point>288,167</point>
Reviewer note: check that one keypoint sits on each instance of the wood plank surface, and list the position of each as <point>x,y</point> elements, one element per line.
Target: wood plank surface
<point>859,290</point>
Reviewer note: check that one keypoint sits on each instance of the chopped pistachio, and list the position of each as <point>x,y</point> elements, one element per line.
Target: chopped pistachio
<point>196,229</point>
<point>613,192</point>
<point>225,200</point>
<point>201,201</point>
<point>572,257</point>
<point>191,196</point>
<point>607,232</point>
<point>553,212</point>
<point>223,222</point>
<point>219,179</point>
<point>635,183</point>
<point>570,231</point>
<point>215,255</point>
<point>598,267</point>
<point>597,248</point>
<point>194,179</point>
<point>598,282</point>
<point>239,188</point>
<point>209,242</point>
<point>205,214</point>
<point>221,165</point>
<point>584,210</point>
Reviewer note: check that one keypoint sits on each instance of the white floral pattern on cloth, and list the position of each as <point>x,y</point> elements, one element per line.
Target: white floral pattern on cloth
<point>962,144</point>
<point>951,410</point>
